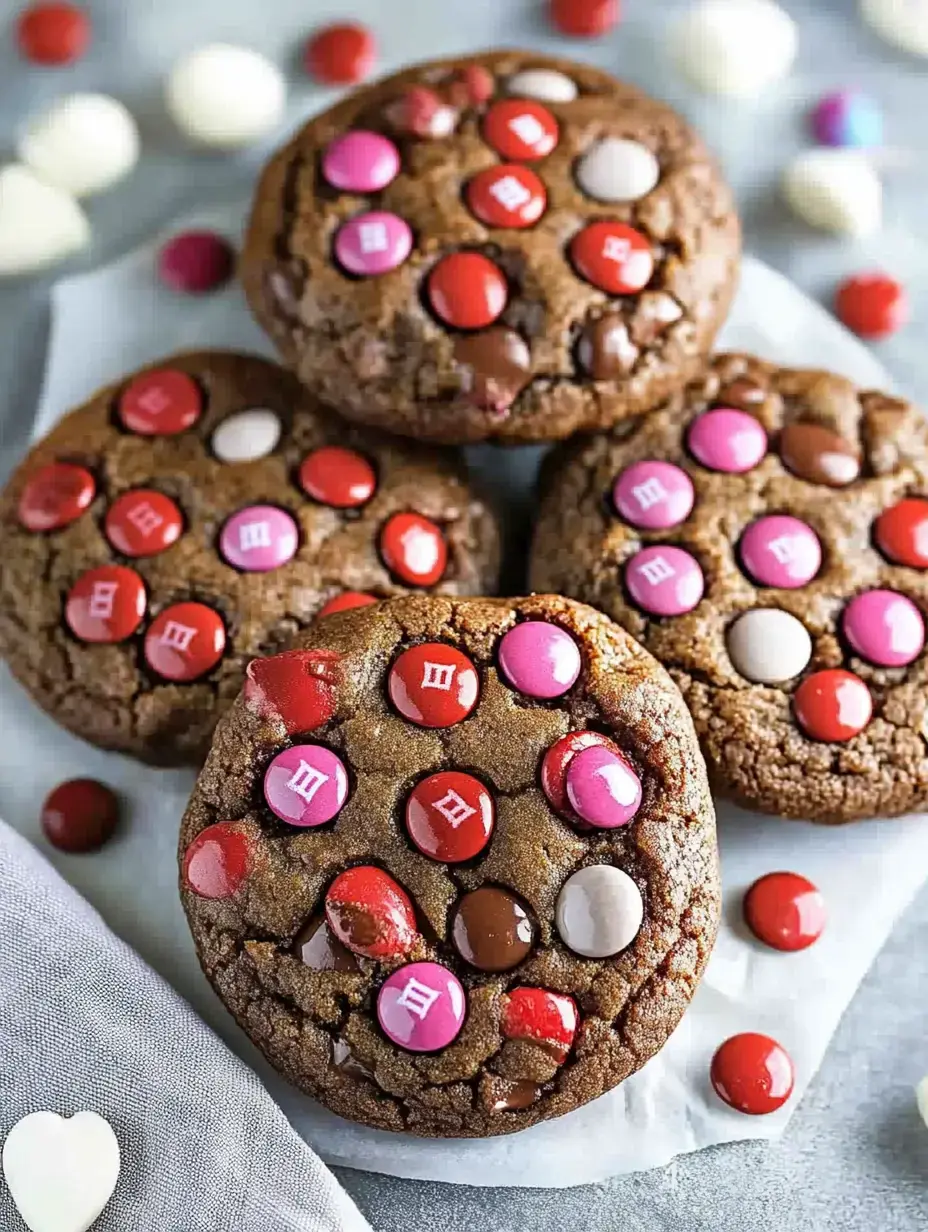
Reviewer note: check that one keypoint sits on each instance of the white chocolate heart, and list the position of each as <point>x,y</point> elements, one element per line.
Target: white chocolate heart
<point>82,144</point>
<point>902,22</point>
<point>836,190</point>
<point>61,1172</point>
<point>225,96</point>
<point>39,225</point>
<point>734,47</point>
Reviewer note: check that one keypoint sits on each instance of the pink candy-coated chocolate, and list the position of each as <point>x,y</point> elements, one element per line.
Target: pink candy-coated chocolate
<point>539,659</point>
<point>664,580</point>
<point>306,785</point>
<point>361,162</point>
<point>884,627</point>
<point>603,788</point>
<point>259,538</point>
<point>373,243</point>
<point>781,551</point>
<point>727,440</point>
<point>653,495</point>
<point>421,1007</point>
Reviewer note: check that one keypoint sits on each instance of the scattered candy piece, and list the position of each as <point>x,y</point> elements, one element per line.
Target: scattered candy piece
<point>584,18</point>
<point>450,816</point>
<point>901,532</point>
<point>546,1018</point>
<point>847,118</point>
<point>545,84</point>
<point>872,305</point>
<point>832,705</point>
<point>492,930</point>
<point>540,659</point>
<point>143,522</point>
<point>753,1074</point>
<point>298,687</point>
<point>246,436</point>
<point>341,54</point>
<point>785,911</point>
<point>370,913</point>
<point>80,815</point>
<point>421,1007</point>
<point>196,262</point>
<point>599,911</point>
<point>54,33</point>
<point>105,604</point>
<point>921,1099</point>
<point>82,144</point>
<point>901,22</point>
<point>433,685</point>
<point>768,646</point>
<point>735,47</point>
<point>414,549</point>
<point>217,861</point>
<point>835,190</point>
<point>39,225</point>
<point>185,641</point>
<point>61,1171</point>
<point>884,627</point>
<point>616,169</point>
<point>55,496</point>
<point>306,785</point>
<point>225,96</point>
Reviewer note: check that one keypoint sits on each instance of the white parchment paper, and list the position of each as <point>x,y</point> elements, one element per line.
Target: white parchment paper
<point>107,323</point>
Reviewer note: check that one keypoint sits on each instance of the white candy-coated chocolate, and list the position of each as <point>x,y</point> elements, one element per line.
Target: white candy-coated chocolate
<point>734,47</point>
<point>836,190</point>
<point>545,84</point>
<point>599,911</point>
<point>921,1098</point>
<point>246,436</point>
<point>82,144</point>
<point>768,646</point>
<point>225,96</point>
<point>39,225</point>
<point>616,169</point>
<point>901,22</point>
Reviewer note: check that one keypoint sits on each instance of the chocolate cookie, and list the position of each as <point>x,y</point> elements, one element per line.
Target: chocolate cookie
<point>195,515</point>
<point>765,535</point>
<point>451,863</point>
<point>503,246</point>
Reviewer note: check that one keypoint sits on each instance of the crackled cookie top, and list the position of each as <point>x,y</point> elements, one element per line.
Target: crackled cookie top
<point>765,535</point>
<point>451,863</point>
<point>195,515</point>
<point>506,246</point>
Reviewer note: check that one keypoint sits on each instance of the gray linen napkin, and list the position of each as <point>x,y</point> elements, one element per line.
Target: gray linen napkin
<point>84,1023</point>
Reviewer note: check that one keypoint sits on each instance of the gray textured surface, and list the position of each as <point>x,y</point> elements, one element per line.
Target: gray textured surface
<point>855,1156</point>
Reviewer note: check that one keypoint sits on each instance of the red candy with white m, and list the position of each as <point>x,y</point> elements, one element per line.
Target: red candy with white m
<point>433,685</point>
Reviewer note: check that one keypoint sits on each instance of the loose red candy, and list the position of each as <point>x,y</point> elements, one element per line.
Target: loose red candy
<point>344,602</point>
<point>901,532</point>
<point>613,256</point>
<point>54,33</point>
<point>340,54</point>
<point>433,685</point>
<point>546,1018</point>
<point>520,129</point>
<point>105,604</point>
<point>558,758</point>
<point>143,522</point>
<point>370,913</point>
<point>79,815</point>
<point>467,290</point>
<point>753,1074</point>
<point>507,196</point>
<point>217,861</point>
<point>872,305</point>
<point>338,477</point>
<point>55,496</point>
<point>584,18</point>
<point>196,262</point>
<point>185,641</point>
<point>414,549</point>
<point>298,687</point>
<point>832,705</point>
<point>161,403</point>
<point>450,816</point>
<point>785,911</point>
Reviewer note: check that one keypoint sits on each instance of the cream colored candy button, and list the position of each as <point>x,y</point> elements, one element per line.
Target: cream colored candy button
<point>543,83</point>
<point>82,144</point>
<point>768,646</point>
<point>836,190</point>
<point>225,96</point>
<point>735,47</point>
<point>921,1098</point>
<point>39,225</point>
<point>615,169</point>
<point>903,22</point>
<point>599,911</point>
<point>245,436</point>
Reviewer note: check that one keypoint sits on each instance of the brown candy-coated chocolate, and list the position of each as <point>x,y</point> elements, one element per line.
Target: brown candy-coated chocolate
<point>492,930</point>
<point>818,455</point>
<point>496,367</point>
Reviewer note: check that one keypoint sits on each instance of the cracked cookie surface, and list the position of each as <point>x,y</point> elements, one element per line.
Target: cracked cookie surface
<point>195,515</point>
<point>581,310</point>
<point>536,1023</point>
<point>765,536</point>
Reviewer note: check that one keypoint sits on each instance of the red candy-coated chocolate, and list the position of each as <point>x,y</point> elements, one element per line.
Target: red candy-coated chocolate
<point>507,196</point>
<point>299,687</point>
<point>143,522</point>
<point>53,33</point>
<point>433,685</point>
<point>467,290</point>
<point>555,763</point>
<point>339,477</point>
<point>752,1073</point>
<point>55,495</point>
<point>450,816</point>
<point>584,18</point>
<point>613,256</point>
<point>785,911</point>
<point>547,1018</point>
<point>196,262</point>
<point>872,305</point>
<point>370,913</point>
<point>345,602</point>
<point>185,641</point>
<point>105,604</point>
<point>901,532</point>
<point>414,549</point>
<point>79,815</point>
<point>161,403</point>
<point>217,861</point>
<point>520,129</point>
<point>832,705</point>
<point>470,87</point>
<point>421,113</point>
<point>340,54</point>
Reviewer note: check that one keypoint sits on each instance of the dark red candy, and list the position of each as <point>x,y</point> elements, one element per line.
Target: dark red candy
<point>217,861</point>
<point>340,54</point>
<point>584,18</point>
<point>196,262</point>
<point>344,602</point>
<point>433,685</point>
<point>785,911</point>
<point>752,1073</point>
<point>53,33</point>
<point>546,1018</point>
<point>105,604</point>
<point>55,495</point>
<point>80,815</point>
<point>414,549</point>
<point>299,687</point>
<point>872,305</point>
<point>338,477</point>
<point>370,913</point>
